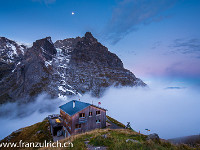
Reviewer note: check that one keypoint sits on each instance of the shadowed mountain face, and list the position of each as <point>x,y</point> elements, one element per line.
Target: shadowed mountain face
<point>65,68</point>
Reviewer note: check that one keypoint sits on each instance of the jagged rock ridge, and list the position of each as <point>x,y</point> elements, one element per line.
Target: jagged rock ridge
<point>68,67</point>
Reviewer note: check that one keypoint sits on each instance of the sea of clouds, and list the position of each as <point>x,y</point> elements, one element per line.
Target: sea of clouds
<point>169,109</point>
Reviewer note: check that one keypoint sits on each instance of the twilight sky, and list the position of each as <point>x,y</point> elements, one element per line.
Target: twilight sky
<point>154,38</point>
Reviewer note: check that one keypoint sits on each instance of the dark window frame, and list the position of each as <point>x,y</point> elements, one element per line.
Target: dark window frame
<point>90,114</point>
<point>81,115</point>
<point>98,112</point>
<point>98,121</point>
<point>78,126</point>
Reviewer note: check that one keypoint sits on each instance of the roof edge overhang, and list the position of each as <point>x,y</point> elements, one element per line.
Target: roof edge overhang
<point>65,111</point>
<point>82,109</point>
<point>98,107</point>
<point>76,112</point>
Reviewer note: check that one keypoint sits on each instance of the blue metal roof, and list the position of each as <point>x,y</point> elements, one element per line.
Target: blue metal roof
<point>68,107</point>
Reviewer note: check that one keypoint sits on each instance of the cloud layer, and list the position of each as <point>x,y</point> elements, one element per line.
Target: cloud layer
<point>170,109</point>
<point>128,15</point>
<point>187,46</point>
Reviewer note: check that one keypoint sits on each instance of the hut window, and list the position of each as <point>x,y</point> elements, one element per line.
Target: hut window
<point>78,126</point>
<point>82,115</point>
<point>90,113</point>
<point>97,112</point>
<point>98,121</point>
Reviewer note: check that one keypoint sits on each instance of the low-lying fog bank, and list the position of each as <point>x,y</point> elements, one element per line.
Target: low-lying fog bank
<point>170,110</point>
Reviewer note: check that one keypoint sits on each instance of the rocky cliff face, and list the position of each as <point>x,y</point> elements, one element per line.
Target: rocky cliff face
<point>69,67</point>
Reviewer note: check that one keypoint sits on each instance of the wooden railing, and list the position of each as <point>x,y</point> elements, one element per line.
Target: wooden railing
<point>82,120</point>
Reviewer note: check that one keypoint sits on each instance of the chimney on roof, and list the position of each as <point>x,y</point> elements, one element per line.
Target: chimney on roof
<point>73,104</point>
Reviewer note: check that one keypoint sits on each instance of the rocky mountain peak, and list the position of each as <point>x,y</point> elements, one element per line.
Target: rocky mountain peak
<point>46,46</point>
<point>88,36</point>
<point>2,39</point>
<point>10,51</point>
<point>68,67</point>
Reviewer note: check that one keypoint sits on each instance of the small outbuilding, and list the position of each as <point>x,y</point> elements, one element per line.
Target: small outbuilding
<point>56,125</point>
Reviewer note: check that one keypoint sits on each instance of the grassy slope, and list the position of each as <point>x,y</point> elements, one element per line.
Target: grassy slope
<point>116,140</point>
<point>38,132</point>
<point>116,122</point>
<point>111,138</point>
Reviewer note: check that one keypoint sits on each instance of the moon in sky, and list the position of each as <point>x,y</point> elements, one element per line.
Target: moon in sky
<point>72,13</point>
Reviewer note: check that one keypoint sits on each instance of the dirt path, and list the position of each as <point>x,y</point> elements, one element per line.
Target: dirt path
<point>90,147</point>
